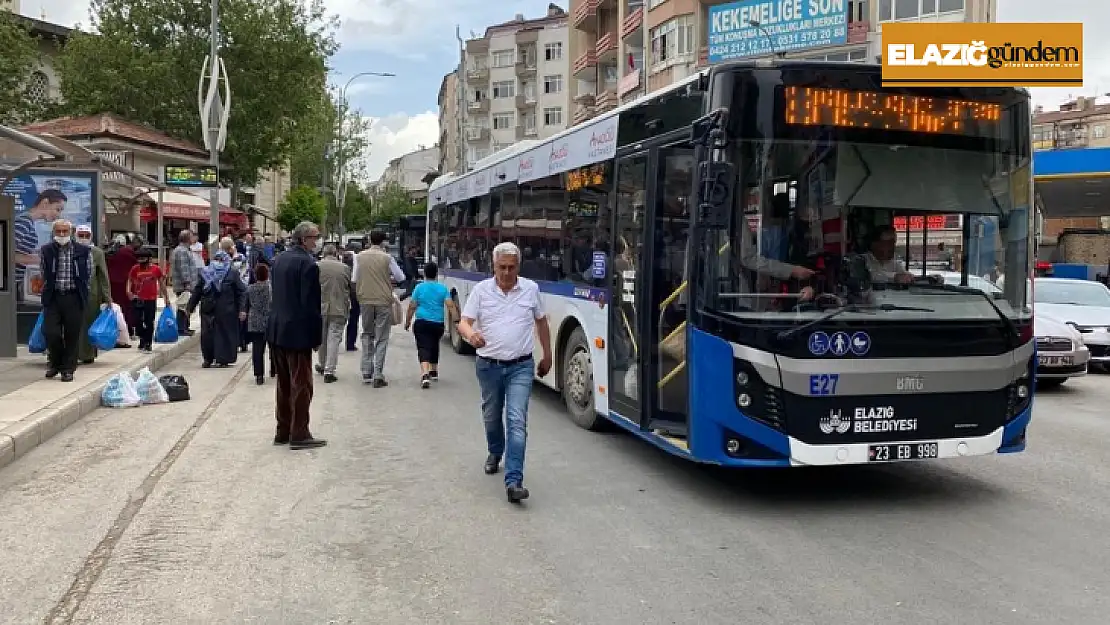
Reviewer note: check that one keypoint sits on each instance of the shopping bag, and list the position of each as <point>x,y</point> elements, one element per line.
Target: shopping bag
<point>398,311</point>
<point>150,388</point>
<point>120,392</point>
<point>104,330</point>
<point>166,329</point>
<point>177,388</point>
<point>183,299</point>
<point>121,323</point>
<point>37,343</point>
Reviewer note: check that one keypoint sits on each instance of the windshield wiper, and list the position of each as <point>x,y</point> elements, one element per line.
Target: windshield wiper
<point>1015,336</point>
<point>785,335</point>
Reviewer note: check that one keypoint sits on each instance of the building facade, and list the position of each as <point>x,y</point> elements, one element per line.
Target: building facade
<point>515,84</point>
<point>622,49</point>
<point>450,129</point>
<point>411,171</point>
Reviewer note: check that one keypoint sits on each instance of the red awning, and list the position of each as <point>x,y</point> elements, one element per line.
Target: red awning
<point>228,216</point>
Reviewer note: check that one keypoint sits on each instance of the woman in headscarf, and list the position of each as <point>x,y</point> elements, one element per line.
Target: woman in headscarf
<point>100,293</point>
<point>222,297</point>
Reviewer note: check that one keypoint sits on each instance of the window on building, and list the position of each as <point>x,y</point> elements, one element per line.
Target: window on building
<point>503,121</point>
<point>528,89</point>
<point>1099,131</point>
<point>553,116</point>
<point>38,88</point>
<point>674,39</point>
<point>479,95</point>
<point>497,147</point>
<point>654,3</point>
<point>553,84</point>
<point>951,5</point>
<point>857,55</point>
<point>912,9</point>
<point>553,51</point>
<point>504,89</point>
<point>527,56</point>
<point>886,10</point>
<point>504,58</point>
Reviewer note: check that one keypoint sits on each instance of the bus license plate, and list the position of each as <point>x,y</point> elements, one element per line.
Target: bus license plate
<point>902,451</point>
<point>1054,361</point>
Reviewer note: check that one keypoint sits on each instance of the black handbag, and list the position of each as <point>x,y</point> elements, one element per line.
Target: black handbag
<point>176,387</point>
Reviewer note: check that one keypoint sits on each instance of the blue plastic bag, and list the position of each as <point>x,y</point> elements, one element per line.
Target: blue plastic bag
<point>166,330</point>
<point>104,330</point>
<point>37,343</point>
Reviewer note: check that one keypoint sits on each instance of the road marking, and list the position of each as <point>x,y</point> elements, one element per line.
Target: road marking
<point>67,607</point>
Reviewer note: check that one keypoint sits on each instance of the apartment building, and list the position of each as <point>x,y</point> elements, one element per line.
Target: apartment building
<point>450,130</point>
<point>622,49</point>
<point>515,84</point>
<point>1080,123</point>
<point>411,171</point>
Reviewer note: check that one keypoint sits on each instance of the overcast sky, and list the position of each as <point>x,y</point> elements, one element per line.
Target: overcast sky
<point>415,39</point>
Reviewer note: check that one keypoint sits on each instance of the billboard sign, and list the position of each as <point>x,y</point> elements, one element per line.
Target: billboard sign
<point>763,27</point>
<point>195,176</point>
<point>41,197</point>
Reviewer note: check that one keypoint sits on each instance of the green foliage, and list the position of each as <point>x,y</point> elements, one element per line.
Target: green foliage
<point>390,201</point>
<point>303,203</point>
<point>145,62</point>
<point>318,145</point>
<point>18,55</point>
<point>357,209</point>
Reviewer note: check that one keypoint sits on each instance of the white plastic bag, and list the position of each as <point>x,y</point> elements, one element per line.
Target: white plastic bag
<point>120,392</point>
<point>121,322</point>
<point>150,389</point>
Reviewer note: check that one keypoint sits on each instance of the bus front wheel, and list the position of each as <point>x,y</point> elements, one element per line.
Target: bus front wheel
<point>578,382</point>
<point>457,342</point>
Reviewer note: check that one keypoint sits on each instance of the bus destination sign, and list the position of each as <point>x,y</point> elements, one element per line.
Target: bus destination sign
<point>845,108</point>
<point>196,176</point>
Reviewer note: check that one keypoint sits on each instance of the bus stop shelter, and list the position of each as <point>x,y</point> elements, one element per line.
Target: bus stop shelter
<point>22,152</point>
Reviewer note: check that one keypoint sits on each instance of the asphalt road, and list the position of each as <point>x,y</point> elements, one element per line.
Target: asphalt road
<point>187,514</point>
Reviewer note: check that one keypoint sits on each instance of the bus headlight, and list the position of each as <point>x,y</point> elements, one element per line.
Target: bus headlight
<point>755,398</point>
<point>742,378</point>
<point>744,400</point>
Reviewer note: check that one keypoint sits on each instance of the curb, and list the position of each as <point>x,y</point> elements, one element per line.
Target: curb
<point>21,437</point>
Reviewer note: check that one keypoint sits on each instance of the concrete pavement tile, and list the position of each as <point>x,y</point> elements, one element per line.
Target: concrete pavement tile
<point>25,435</point>
<point>16,410</point>
<point>7,450</point>
<point>58,417</point>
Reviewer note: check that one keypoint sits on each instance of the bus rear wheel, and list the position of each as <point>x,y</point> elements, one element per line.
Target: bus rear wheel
<point>578,382</point>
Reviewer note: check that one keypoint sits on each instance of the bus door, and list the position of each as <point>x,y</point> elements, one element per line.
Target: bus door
<point>647,355</point>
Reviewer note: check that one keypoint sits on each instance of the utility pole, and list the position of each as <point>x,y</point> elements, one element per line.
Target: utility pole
<point>214,113</point>
<point>341,182</point>
<point>460,104</point>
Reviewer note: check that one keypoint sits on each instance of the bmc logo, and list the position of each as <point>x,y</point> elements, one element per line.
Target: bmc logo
<point>910,383</point>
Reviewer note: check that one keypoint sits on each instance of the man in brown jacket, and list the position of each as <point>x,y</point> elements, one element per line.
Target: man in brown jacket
<point>335,301</point>
<point>375,271</point>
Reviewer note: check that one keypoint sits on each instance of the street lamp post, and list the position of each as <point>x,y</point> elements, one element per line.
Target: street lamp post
<point>341,183</point>
<point>214,113</point>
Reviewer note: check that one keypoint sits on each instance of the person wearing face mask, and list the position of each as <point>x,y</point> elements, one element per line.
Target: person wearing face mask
<point>67,272</point>
<point>144,285</point>
<point>222,297</point>
<point>100,293</point>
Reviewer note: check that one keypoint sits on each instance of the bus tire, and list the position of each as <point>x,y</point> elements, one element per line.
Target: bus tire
<point>457,343</point>
<point>578,382</point>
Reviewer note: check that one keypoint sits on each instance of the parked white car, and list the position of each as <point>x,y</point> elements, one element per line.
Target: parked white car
<point>1061,349</point>
<point>1082,304</point>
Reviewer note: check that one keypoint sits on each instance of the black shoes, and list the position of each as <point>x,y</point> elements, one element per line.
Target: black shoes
<point>329,378</point>
<point>434,375</point>
<point>51,374</point>
<point>516,493</point>
<point>319,369</point>
<point>308,443</point>
<point>259,380</point>
<point>492,462</point>
<point>379,383</point>
<point>281,440</point>
<point>67,376</point>
<point>426,381</point>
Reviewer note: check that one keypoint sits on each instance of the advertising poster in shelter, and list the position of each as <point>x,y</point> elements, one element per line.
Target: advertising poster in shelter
<point>41,197</point>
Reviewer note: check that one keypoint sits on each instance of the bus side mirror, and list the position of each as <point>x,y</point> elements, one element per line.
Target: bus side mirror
<point>715,190</point>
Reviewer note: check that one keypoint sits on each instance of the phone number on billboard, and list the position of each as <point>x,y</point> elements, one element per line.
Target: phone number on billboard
<point>781,43</point>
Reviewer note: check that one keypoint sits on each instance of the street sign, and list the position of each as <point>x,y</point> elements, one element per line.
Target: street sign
<point>196,176</point>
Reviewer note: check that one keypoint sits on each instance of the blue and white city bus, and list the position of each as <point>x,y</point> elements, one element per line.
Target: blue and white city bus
<point>742,268</point>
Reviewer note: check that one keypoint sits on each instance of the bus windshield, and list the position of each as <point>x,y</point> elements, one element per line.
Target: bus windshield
<point>831,212</point>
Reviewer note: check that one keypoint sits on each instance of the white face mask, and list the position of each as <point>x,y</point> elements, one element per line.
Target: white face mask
<point>61,240</point>
<point>86,242</point>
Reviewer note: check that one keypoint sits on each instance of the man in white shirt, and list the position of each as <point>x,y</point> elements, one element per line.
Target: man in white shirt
<point>881,263</point>
<point>500,318</point>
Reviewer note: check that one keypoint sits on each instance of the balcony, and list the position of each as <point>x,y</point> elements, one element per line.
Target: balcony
<point>582,18</point>
<point>607,100</point>
<point>477,46</point>
<point>481,106</point>
<point>477,133</point>
<point>524,37</point>
<point>857,31</point>
<point>581,114</point>
<point>526,68</point>
<point>525,132</point>
<point>606,48</point>
<point>477,74</point>
<point>633,27</point>
<point>585,97</point>
<point>585,64</point>
<point>526,101</point>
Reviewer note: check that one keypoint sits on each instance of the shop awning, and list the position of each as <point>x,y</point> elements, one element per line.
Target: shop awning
<point>180,205</point>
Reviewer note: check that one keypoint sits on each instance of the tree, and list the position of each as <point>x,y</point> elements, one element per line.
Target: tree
<point>18,55</point>
<point>145,59</point>
<point>390,201</point>
<point>357,209</point>
<point>318,145</point>
<point>303,203</point>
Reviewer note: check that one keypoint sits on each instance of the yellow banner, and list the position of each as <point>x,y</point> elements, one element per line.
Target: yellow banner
<point>982,55</point>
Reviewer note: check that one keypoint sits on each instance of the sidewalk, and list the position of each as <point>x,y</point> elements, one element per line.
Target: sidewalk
<point>34,409</point>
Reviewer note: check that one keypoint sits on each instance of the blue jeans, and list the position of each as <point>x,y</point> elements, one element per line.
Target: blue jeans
<point>506,389</point>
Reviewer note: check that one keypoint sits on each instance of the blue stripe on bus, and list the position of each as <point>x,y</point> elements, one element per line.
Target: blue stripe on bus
<point>564,289</point>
